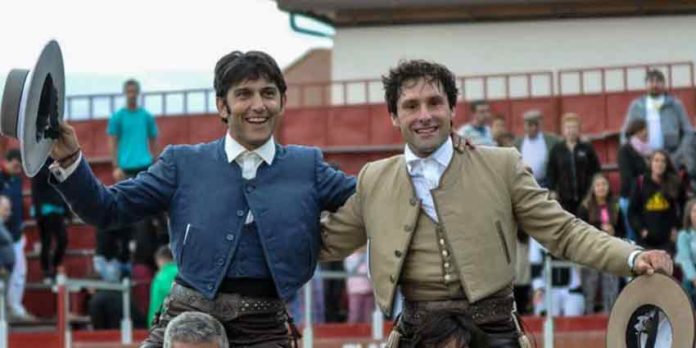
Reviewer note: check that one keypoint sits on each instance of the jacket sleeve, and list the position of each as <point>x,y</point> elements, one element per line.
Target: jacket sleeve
<point>630,115</point>
<point>551,172</point>
<point>124,203</point>
<point>343,232</point>
<point>635,207</point>
<point>564,235</point>
<point>333,185</point>
<point>625,170</point>
<point>685,127</point>
<point>595,165</point>
<point>684,257</point>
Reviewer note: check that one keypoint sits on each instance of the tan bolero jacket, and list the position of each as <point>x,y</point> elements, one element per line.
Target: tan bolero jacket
<point>483,195</point>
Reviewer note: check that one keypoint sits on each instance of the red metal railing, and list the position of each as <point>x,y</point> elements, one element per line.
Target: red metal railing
<point>602,74</point>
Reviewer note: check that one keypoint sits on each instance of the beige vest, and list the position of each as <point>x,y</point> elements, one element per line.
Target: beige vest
<point>429,272</point>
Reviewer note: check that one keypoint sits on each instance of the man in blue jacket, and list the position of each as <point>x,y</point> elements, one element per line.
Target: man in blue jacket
<point>244,211</point>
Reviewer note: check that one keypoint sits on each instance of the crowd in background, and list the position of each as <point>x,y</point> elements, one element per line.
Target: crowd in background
<point>651,207</point>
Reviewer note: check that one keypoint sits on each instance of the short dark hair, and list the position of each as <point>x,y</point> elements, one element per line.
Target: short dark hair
<point>635,126</point>
<point>164,253</point>
<point>654,74</point>
<point>414,69</point>
<point>475,104</point>
<point>13,154</point>
<point>131,82</point>
<point>443,328</point>
<point>238,66</point>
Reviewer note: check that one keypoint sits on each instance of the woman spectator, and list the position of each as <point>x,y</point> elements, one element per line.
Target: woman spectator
<point>600,209</point>
<point>572,164</point>
<point>653,209</point>
<point>361,301</point>
<point>686,249</point>
<point>632,160</point>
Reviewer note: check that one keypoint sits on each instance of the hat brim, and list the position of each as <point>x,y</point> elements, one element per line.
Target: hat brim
<point>35,150</point>
<point>658,290</point>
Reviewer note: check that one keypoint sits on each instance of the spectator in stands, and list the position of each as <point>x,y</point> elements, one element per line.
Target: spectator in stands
<point>601,210</point>
<point>572,164</point>
<point>653,210</point>
<point>11,186</point>
<point>105,309</point>
<point>133,144</point>
<point>7,254</point>
<point>477,131</point>
<point>668,123</point>
<point>112,253</point>
<point>506,139</point>
<point>132,135</point>
<point>686,249</point>
<point>195,330</point>
<point>536,145</point>
<point>632,160</point>
<point>361,301</point>
<point>498,129</point>
<point>162,283</point>
<point>50,212</point>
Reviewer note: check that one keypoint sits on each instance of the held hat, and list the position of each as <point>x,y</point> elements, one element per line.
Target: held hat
<point>32,107</point>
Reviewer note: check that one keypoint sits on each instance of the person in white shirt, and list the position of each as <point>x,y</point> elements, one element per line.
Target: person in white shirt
<point>535,145</point>
<point>668,123</point>
<point>477,131</point>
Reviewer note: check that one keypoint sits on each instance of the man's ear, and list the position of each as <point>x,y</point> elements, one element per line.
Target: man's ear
<point>395,120</point>
<point>223,110</point>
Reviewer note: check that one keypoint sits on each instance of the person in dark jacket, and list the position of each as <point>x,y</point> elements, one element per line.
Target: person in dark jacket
<point>11,186</point>
<point>7,256</point>
<point>600,209</point>
<point>654,207</point>
<point>572,164</point>
<point>50,211</point>
<point>632,160</point>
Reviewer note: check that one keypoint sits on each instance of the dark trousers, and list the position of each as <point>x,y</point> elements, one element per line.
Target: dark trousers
<point>490,325</point>
<point>52,226</point>
<point>249,322</point>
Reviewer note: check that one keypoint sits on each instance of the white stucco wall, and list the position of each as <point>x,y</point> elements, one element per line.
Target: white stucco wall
<point>484,48</point>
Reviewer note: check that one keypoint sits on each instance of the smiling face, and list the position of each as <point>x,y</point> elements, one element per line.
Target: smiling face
<point>252,108</point>
<point>600,187</point>
<point>423,115</point>
<point>658,164</point>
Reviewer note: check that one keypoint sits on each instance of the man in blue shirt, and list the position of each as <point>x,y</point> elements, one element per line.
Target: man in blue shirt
<point>132,135</point>
<point>243,210</point>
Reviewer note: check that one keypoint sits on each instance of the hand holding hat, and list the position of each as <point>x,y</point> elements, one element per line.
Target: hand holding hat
<point>66,148</point>
<point>651,261</point>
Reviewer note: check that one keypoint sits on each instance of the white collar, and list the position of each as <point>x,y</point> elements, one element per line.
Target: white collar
<point>443,155</point>
<point>233,149</point>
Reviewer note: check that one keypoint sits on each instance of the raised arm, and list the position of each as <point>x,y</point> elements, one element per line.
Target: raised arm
<point>124,203</point>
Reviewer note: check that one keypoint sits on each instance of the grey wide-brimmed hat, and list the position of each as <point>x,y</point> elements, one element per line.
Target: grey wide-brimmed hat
<point>32,107</point>
<point>652,311</point>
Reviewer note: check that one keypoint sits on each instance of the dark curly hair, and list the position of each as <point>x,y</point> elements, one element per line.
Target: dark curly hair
<point>414,69</point>
<point>237,66</point>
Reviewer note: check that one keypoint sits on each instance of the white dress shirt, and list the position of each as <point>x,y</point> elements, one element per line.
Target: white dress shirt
<point>535,155</point>
<point>249,161</point>
<point>652,110</point>
<point>427,172</point>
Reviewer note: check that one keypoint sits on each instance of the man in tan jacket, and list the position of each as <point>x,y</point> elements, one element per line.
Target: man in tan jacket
<point>440,223</point>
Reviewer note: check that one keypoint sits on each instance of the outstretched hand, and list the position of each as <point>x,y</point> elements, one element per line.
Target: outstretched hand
<point>651,261</point>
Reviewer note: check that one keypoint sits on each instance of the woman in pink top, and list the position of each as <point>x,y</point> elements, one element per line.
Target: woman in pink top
<point>361,301</point>
<point>601,209</point>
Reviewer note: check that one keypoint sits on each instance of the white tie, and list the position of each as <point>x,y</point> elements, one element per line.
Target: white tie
<point>249,161</point>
